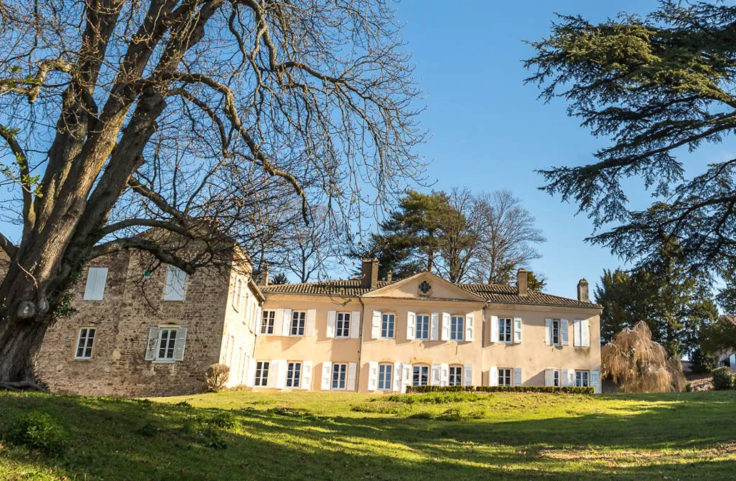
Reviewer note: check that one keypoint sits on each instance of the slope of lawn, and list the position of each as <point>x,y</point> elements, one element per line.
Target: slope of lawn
<point>455,436</point>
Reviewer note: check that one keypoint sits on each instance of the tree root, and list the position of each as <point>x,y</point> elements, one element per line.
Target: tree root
<point>21,386</point>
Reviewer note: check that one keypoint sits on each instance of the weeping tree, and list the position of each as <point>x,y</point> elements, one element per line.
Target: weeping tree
<point>638,364</point>
<point>195,118</point>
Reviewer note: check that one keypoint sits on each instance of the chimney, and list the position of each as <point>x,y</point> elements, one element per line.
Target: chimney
<point>521,282</point>
<point>583,291</point>
<point>389,276</point>
<point>264,275</point>
<point>369,273</point>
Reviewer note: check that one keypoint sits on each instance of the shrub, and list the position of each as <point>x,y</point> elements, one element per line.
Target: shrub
<point>703,361</point>
<point>217,376</point>
<point>722,378</point>
<point>40,431</point>
<point>535,389</point>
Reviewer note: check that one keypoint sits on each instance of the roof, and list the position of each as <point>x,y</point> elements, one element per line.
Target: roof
<point>492,293</point>
<point>730,318</point>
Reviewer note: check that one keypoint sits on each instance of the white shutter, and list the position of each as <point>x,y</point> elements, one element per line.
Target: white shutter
<point>494,329</point>
<point>352,369</point>
<point>517,376</point>
<point>405,376</point>
<point>585,333</point>
<point>306,382</point>
<point>251,379</point>
<point>568,377</point>
<point>435,378</point>
<point>468,375</point>
<point>286,326</point>
<point>445,374</point>
<point>376,325</point>
<point>326,375</point>
<point>95,288</point>
<point>273,373</point>
<point>493,376</point>
<point>180,343</point>
<point>152,345</point>
<point>469,327</point>
<point>434,331</point>
<point>372,375</point>
<point>595,381</point>
<point>564,332</point>
<point>517,330</point>
<point>311,319</point>
<point>278,322</point>
<point>576,339</point>
<point>549,377</point>
<point>355,325</point>
<point>176,281</point>
<point>281,380</point>
<point>548,331</point>
<point>445,326</point>
<point>331,316</point>
<point>411,325</point>
<point>397,372</point>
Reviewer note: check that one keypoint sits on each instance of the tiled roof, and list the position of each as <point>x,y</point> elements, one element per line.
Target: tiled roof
<point>493,293</point>
<point>730,318</point>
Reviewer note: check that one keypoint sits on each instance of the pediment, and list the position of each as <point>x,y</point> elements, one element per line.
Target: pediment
<point>424,285</point>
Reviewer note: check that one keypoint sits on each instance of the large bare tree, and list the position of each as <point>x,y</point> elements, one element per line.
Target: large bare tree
<point>192,117</point>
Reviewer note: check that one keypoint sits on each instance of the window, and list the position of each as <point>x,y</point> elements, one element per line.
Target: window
<point>387,326</point>
<point>556,378</point>
<point>238,293</point>
<point>297,323</point>
<point>94,290</point>
<point>422,327</point>
<point>84,343</point>
<point>261,373</point>
<point>556,332</point>
<point>343,324</point>
<point>504,377</point>
<point>456,328</point>
<point>421,376</point>
<point>176,281</point>
<point>166,343</point>
<point>267,322</point>
<point>384,376</point>
<point>456,375</point>
<point>339,375</point>
<point>504,330</point>
<point>293,374</point>
<point>581,378</point>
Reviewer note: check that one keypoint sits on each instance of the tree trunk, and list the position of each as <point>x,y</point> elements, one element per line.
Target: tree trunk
<point>20,341</point>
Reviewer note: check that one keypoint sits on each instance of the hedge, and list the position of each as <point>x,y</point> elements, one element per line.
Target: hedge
<point>547,389</point>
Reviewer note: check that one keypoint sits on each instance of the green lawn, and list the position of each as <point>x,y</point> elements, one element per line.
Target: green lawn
<point>298,436</point>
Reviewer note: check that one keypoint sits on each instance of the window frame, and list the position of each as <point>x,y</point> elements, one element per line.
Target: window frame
<point>506,330</point>
<point>556,378</point>
<point>425,332</point>
<point>419,372</point>
<point>556,331</point>
<point>271,321</point>
<point>342,376</point>
<point>458,373</point>
<point>88,343</point>
<point>579,374</point>
<point>505,374</point>
<point>262,368</point>
<point>342,323</point>
<point>453,327</point>
<point>171,343</point>
<point>294,374</point>
<point>297,323</point>
<point>383,368</point>
<point>385,325</point>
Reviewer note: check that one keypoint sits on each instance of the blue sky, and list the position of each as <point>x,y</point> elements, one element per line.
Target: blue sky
<point>489,131</point>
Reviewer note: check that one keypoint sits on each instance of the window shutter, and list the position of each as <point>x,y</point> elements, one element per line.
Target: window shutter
<point>564,332</point>
<point>549,377</point>
<point>309,327</point>
<point>493,376</point>
<point>176,281</point>
<point>278,322</point>
<point>434,331</point>
<point>411,325</point>
<point>352,369</point>
<point>517,330</point>
<point>326,375</point>
<point>435,378</point>
<point>548,332</point>
<point>376,325</point>
<point>397,373</point>
<point>445,326</point>
<point>355,325</point>
<point>576,339</point>
<point>306,382</point>
<point>406,376</point>
<point>445,374</point>
<point>331,316</point>
<point>273,373</point>
<point>468,375</point>
<point>568,377</point>
<point>372,375</point>
<point>180,343</point>
<point>281,380</point>
<point>469,327</point>
<point>95,288</point>
<point>517,376</point>
<point>152,345</point>
<point>585,333</point>
<point>595,381</point>
<point>494,329</point>
<point>251,379</point>
<point>286,325</point>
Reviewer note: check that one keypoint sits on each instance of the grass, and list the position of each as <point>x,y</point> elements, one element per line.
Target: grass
<point>326,436</point>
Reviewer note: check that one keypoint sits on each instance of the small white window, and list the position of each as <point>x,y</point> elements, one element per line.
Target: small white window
<point>556,332</point>
<point>457,324</point>
<point>85,339</point>
<point>261,373</point>
<point>293,374</point>
<point>267,322</point>
<point>385,372</point>
<point>342,325</point>
<point>421,375</point>
<point>388,322</point>
<point>176,281</point>
<point>556,378</point>
<point>504,330</point>
<point>422,327</point>
<point>582,378</point>
<point>339,376</point>
<point>297,323</point>
<point>166,344</point>
<point>504,377</point>
<point>456,376</point>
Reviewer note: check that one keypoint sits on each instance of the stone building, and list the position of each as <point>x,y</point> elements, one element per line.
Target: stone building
<point>141,333</point>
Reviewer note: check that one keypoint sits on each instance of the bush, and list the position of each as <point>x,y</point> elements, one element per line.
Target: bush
<point>536,389</point>
<point>217,376</point>
<point>703,361</point>
<point>722,378</point>
<point>40,431</point>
